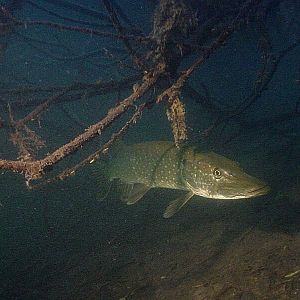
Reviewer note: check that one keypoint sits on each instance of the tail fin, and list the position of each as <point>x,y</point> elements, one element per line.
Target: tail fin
<point>101,169</point>
<point>100,172</point>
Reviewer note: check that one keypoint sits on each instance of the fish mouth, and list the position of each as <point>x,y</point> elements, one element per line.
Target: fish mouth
<point>262,190</point>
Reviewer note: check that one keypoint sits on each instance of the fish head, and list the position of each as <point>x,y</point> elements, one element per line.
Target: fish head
<point>213,176</point>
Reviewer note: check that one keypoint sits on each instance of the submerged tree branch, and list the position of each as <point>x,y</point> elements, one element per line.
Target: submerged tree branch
<point>17,23</point>
<point>177,33</point>
<point>35,169</point>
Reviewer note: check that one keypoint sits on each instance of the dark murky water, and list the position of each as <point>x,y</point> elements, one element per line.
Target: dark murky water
<point>61,242</point>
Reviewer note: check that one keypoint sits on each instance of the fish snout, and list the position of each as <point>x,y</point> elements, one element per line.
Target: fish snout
<point>253,187</point>
<point>259,191</point>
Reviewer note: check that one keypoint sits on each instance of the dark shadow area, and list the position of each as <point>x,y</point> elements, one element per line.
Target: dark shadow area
<point>75,76</point>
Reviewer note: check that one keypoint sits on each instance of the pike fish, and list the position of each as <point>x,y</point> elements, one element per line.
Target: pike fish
<point>160,164</point>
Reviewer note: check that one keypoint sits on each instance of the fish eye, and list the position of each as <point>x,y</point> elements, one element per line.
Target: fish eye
<point>217,173</point>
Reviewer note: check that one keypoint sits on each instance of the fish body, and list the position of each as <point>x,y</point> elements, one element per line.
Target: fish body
<point>160,164</point>
<point>154,164</point>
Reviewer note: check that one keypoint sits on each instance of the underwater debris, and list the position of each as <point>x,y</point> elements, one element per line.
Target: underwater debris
<point>176,116</point>
<point>292,274</point>
<point>158,55</point>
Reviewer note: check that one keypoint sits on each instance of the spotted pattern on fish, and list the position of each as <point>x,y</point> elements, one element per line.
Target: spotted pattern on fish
<point>153,164</point>
<point>161,164</point>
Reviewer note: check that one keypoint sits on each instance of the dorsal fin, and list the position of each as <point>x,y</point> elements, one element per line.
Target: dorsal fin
<point>116,147</point>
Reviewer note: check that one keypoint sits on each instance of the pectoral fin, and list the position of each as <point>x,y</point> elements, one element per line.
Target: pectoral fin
<point>175,205</point>
<point>132,193</point>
